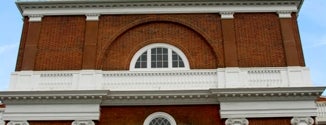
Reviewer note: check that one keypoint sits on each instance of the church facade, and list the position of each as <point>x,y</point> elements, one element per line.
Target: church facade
<point>160,62</point>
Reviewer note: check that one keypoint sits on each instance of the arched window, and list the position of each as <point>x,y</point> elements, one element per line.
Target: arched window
<point>160,118</point>
<point>159,56</point>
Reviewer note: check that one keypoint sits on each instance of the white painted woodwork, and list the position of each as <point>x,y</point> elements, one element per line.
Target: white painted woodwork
<point>161,80</point>
<point>261,109</point>
<point>321,112</point>
<point>52,112</point>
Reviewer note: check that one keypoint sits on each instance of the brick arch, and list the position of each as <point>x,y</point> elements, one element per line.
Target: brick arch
<point>183,23</point>
<point>118,54</point>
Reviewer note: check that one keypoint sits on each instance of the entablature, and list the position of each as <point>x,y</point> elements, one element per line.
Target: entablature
<point>100,7</point>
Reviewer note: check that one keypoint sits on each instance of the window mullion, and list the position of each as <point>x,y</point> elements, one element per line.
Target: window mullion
<point>169,58</point>
<point>149,58</point>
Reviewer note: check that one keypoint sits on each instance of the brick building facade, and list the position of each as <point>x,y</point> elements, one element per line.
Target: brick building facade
<point>153,62</point>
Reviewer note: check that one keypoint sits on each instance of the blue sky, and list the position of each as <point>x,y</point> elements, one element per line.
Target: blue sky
<point>312,25</point>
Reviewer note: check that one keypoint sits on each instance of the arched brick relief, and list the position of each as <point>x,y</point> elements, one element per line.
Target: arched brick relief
<point>118,54</point>
<point>210,35</point>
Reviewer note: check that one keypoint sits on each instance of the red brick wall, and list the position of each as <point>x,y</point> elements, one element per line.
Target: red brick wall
<point>62,40</point>
<point>61,43</point>
<point>183,115</point>
<point>259,40</point>
<point>22,45</point>
<point>131,33</point>
<point>270,121</point>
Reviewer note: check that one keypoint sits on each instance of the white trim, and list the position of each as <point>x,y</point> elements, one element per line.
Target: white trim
<point>155,45</point>
<point>18,123</point>
<point>167,10</point>
<point>284,14</point>
<point>35,18</point>
<point>83,122</point>
<point>92,17</point>
<point>164,79</point>
<point>227,15</point>
<point>268,108</point>
<point>302,121</point>
<point>236,121</point>
<point>159,114</point>
<point>81,7</point>
<point>52,112</point>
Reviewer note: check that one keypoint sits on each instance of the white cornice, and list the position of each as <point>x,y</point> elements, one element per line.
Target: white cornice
<point>82,7</point>
<point>166,97</point>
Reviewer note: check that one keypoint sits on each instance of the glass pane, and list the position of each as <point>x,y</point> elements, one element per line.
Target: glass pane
<point>153,58</point>
<point>174,57</point>
<point>159,50</point>
<point>153,64</point>
<point>181,64</point>
<point>159,65</point>
<point>165,51</point>
<point>159,121</point>
<point>175,64</point>
<point>159,57</point>
<point>137,65</point>
<point>165,57</point>
<point>144,64</point>
<point>153,51</point>
<point>165,64</point>
<point>142,61</point>
<point>144,57</point>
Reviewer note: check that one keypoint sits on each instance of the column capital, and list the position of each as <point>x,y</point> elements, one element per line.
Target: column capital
<point>227,14</point>
<point>92,17</point>
<point>18,123</point>
<point>302,121</point>
<point>236,121</point>
<point>284,14</point>
<point>35,18</point>
<point>83,122</point>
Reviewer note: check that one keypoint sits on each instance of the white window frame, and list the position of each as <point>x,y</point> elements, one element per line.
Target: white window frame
<point>159,115</point>
<point>156,45</point>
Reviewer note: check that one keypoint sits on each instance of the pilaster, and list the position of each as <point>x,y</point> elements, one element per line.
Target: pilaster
<point>291,52</point>
<point>32,39</point>
<point>90,45</point>
<point>229,41</point>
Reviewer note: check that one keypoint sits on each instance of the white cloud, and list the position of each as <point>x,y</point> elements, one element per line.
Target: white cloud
<point>8,47</point>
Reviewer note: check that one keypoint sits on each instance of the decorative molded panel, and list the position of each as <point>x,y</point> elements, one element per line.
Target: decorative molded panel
<point>321,112</point>
<point>18,123</point>
<point>237,121</point>
<point>302,121</point>
<point>83,122</point>
<point>1,116</point>
<point>161,80</point>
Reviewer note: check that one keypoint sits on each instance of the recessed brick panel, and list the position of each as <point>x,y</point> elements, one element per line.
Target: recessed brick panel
<point>61,43</point>
<point>183,115</point>
<point>198,36</point>
<point>259,40</point>
<point>270,121</point>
